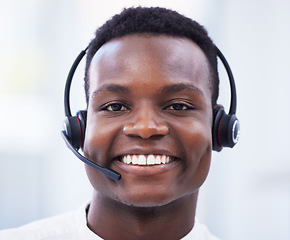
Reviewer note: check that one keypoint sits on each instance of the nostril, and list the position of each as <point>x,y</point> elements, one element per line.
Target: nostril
<point>128,129</point>
<point>145,130</point>
<point>162,129</point>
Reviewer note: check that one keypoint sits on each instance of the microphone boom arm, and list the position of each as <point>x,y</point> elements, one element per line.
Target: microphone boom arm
<point>108,172</point>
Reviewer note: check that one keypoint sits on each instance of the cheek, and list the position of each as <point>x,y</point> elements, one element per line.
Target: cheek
<point>98,140</point>
<point>200,169</point>
<point>197,146</point>
<point>195,137</point>
<point>97,145</point>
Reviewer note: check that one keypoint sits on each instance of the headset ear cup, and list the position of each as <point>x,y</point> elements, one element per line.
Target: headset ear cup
<point>226,130</point>
<point>82,115</point>
<point>229,130</point>
<point>75,129</point>
<point>218,114</point>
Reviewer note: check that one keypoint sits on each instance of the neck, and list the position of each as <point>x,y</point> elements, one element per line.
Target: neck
<point>113,220</point>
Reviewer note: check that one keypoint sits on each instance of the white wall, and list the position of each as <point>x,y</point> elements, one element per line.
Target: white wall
<point>254,178</point>
<point>247,194</point>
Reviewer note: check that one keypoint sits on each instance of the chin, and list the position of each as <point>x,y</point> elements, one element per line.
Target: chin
<point>145,203</point>
<point>146,199</point>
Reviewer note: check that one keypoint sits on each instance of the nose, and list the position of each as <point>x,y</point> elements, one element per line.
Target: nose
<point>145,124</point>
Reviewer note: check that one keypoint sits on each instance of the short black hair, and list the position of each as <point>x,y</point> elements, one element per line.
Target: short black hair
<point>155,21</point>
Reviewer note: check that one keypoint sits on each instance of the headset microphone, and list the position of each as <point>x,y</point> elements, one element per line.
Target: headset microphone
<point>108,172</point>
<point>74,126</point>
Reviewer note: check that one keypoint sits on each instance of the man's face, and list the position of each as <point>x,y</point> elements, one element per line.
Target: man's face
<point>149,103</point>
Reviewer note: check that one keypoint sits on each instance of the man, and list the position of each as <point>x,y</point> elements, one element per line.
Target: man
<point>151,86</point>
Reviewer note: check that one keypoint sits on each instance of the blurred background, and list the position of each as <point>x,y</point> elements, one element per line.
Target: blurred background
<point>247,194</point>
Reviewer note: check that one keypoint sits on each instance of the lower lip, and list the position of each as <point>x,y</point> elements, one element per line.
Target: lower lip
<point>146,170</point>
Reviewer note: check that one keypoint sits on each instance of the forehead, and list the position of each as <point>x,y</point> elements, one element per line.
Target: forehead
<point>171,58</point>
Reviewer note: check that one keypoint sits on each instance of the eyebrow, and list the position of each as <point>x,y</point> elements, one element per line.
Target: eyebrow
<point>111,88</point>
<point>165,90</point>
<point>180,87</point>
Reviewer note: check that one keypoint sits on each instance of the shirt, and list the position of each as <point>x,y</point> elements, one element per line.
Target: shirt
<point>73,226</point>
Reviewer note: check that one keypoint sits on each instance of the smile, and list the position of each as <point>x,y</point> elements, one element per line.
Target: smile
<point>143,160</point>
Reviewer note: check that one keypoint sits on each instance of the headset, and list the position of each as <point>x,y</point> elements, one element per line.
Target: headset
<point>225,129</point>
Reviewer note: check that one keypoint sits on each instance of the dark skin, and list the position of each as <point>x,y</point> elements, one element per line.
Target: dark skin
<point>149,95</point>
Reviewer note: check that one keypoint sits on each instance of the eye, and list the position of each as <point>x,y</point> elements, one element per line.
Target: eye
<point>179,107</point>
<point>115,107</point>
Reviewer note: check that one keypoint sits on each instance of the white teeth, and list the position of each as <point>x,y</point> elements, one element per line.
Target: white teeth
<point>150,160</point>
<point>142,160</point>
<point>146,160</point>
<point>134,160</point>
<point>129,159</point>
<point>158,160</point>
<point>125,159</point>
<point>163,159</point>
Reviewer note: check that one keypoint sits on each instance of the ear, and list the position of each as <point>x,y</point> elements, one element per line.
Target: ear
<point>217,107</point>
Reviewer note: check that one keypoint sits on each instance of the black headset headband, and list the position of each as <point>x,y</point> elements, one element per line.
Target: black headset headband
<point>70,75</point>
<point>233,103</point>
